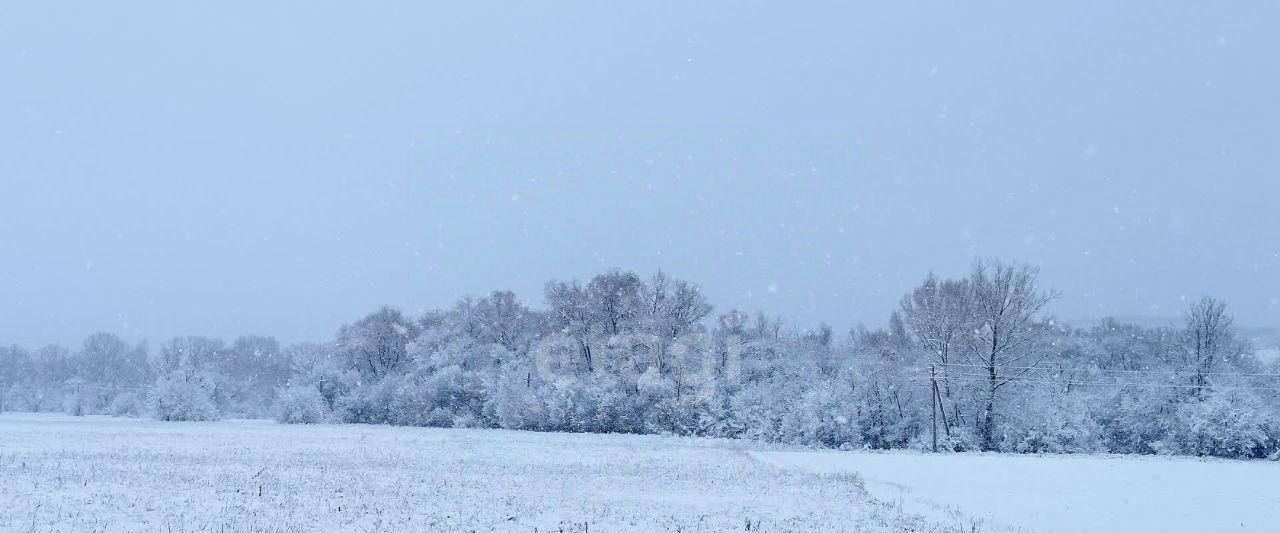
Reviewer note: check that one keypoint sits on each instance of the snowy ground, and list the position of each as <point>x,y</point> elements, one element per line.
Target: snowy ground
<point>64,474</point>
<point>60,473</point>
<point>1052,494</point>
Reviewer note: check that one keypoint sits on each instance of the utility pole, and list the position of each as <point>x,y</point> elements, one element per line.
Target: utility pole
<point>933,395</point>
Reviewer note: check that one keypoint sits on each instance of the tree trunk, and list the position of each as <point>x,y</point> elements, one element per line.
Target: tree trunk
<point>988,417</point>
<point>585,347</point>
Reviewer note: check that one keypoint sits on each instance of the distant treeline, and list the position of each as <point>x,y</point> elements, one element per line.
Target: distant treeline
<point>974,361</point>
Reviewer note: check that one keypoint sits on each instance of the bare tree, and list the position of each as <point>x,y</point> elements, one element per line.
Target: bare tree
<point>1006,302</point>
<point>188,356</point>
<point>113,362</point>
<point>572,314</point>
<point>501,319</point>
<point>766,328</point>
<point>939,313</point>
<point>615,298</point>
<point>377,345</point>
<point>1208,340</point>
<point>672,307</point>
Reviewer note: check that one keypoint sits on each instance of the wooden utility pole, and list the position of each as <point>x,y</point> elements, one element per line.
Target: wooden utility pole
<point>933,395</point>
<point>936,396</point>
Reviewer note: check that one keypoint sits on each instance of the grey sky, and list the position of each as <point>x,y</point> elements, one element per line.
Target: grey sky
<point>250,167</point>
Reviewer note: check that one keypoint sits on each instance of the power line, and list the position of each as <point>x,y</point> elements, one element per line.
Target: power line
<point>1040,381</point>
<point>961,375</point>
<point>66,387</point>
<point>1143,372</point>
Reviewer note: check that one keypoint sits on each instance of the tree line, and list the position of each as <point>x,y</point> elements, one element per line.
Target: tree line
<point>625,354</point>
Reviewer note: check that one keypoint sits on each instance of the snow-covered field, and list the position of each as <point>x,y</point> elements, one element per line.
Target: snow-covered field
<point>67,474</point>
<point>60,473</point>
<point>1065,493</point>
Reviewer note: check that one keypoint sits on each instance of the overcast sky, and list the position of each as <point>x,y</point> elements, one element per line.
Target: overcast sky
<point>256,167</point>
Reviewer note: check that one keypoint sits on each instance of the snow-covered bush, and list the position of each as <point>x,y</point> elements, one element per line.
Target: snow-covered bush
<point>824,417</point>
<point>566,408</point>
<point>753,415</point>
<point>370,404</point>
<point>129,404</point>
<point>1226,423</point>
<point>687,415</point>
<point>414,404</point>
<point>455,390</point>
<point>886,418</point>
<point>960,439</point>
<point>1052,423</point>
<point>24,399</point>
<point>435,399</point>
<point>301,404</point>
<point>1137,418</point>
<point>77,402</point>
<point>521,401</point>
<point>516,402</point>
<point>174,398</point>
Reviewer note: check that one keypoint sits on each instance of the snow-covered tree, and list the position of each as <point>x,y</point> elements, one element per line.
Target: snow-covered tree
<point>377,345</point>
<point>1007,301</point>
<point>1209,342</point>
<point>573,314</point>
<point>182,399</point>
<point>622,354</point>
<point>301,404</point>
<point>940,315</point>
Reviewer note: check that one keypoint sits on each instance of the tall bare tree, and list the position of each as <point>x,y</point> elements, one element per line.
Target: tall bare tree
<point>1006,302</point>
<point>939,313</point>
<point>501,319</point>
<point>571,313</point>
<point>377,345</point>
<point>670,308</point>
<point>615,298</point>
<point>1208,340</point>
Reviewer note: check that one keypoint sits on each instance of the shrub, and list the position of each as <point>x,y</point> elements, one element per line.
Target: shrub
<point>1057,423</point>
<point>516,402</point>
<point>301,404</point>
<point>24,399</point>
<point>76,403</point>
<point>178,399</point>
<point>1225,424</point>
<point>370,404</point>
<point>127,404</point>
<point>822,416</point>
